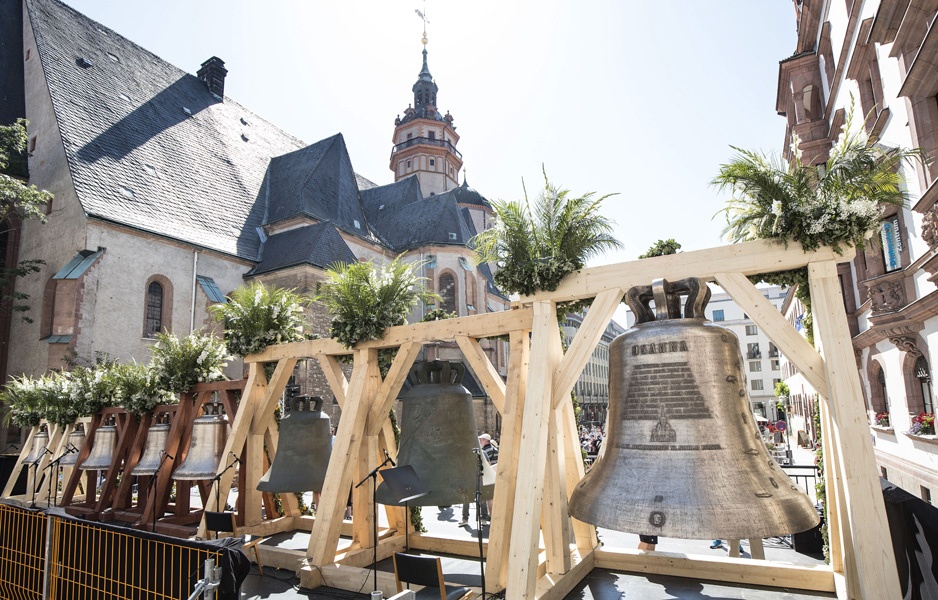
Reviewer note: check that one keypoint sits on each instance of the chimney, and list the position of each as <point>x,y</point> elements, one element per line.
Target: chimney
<point>213,73</point>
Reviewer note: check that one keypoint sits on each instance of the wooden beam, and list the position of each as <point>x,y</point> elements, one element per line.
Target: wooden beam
<point>545,358</point>
<point>335,377</point>
<point>701,567</point>
<point>555,586</point>
<point>506,476</point>
<point>795,347</point>
<point>748,258</point>
<point>864,506</point>
<point>484,370</point>
<point>555,520</point>
<point>584,342</point>
<point>584,533</point>
<point>476,326</point>
<point>391,386</point>
<point>324,538</point>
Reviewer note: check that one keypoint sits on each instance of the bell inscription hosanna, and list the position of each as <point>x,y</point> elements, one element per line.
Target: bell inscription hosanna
<point>684,457</point>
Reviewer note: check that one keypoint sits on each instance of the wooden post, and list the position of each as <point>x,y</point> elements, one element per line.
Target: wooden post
<point>864,508</point>
<point>506,476</point>
<point>554,514</point>
<point>545,358</point>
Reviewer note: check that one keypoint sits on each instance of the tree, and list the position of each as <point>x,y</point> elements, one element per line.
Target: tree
<point>18,201</point>
<point>838,203</point>
<point>534,246</point>
<point>661,248</point>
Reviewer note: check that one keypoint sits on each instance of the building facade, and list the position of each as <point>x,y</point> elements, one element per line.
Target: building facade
<point>592,387</point>
<point>169,195</point>
<point>880,55</point>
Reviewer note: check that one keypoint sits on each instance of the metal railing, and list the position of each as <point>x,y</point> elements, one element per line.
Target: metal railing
<point>82,560</point>
<point>425,141</point>
<point>805,477</point>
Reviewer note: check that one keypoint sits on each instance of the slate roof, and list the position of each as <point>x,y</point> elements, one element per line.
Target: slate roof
<point>318,182</point>
<point>149,147</point>
<point>319,245</point>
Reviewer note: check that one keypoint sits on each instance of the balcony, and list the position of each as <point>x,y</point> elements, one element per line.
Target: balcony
<point>425,141</point>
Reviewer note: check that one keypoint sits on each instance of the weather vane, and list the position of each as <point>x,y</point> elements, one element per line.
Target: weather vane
<point>423,17</point>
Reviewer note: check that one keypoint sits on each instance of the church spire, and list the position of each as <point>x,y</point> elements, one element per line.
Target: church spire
<point>425,89</point>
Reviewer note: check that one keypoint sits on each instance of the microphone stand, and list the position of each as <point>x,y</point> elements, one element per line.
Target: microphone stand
<point>374,506</point>
<point>216,481</point>
<point>478,453</point>
<point>55,464</point>
<point>35,465</point>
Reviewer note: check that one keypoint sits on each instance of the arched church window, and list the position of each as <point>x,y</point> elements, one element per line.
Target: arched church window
<point>924,379</point>
<point>154,314</point>
<point>448,292</point>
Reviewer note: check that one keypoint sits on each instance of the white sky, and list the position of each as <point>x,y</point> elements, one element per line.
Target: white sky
<point>639,98</point>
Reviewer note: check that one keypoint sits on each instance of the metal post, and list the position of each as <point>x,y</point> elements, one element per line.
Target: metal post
<point>46,574</point>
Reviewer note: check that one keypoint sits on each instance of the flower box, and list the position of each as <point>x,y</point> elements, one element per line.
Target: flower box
<point>929,438</point>
<point>883,428</point>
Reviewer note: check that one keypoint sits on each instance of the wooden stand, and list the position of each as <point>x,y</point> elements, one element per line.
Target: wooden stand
<point>539,456</point>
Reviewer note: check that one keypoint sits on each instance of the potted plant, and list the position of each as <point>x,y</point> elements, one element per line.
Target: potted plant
<point>882,419</point>
<point>923,424</point>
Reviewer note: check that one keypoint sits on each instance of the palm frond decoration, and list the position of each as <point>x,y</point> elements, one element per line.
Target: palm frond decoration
<point>533,245</point>
<point>365,299</point>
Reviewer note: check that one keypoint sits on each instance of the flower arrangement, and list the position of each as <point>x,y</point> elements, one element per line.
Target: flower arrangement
<point>882,419</point>
<point>179,363</point>
<point>923,424</point>
<point>23,399</point>
<point>365,299</point>
<point>136,390</point>
<point>256,317</point>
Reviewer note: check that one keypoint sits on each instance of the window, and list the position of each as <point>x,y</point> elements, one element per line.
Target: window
<point>718,315</point>
<point>926,494</point>
<point>773,351</point>
<point>154,315</point>
<point>883,473</point>
<point>432,162</point>
<point>756,385</point>
<point>753,351</point>
<point>408,164</point>
<point>924,380</point>
<point>755,366</point>
<point>448,292</point>
<point>432,135</point>
<point>775,365</point>
<point>752,330</point>
<point>410,135</point>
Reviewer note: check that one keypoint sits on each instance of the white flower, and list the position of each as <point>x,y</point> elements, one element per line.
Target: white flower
<point>777,208</point>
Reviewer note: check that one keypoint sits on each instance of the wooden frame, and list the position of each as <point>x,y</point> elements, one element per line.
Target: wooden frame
<point>539,463</point>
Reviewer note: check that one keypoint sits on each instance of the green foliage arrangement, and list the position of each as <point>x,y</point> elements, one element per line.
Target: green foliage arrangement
<point>662,248</point>
<point>256,317</point>
<point>179,363</point>
<point>837,204</point>
<point>534,246</point>
<point>24,402</point>
<point>136,390</point>
<point>365,299</point>
<point>90,388</point>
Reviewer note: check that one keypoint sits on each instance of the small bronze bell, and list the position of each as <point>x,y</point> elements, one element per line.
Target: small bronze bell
<point>102,452</point>
<point>76,439</point>
<point>683,457</point>
<point>153,451</point>
<point>304,450</point>
<point>439,439</point>
<point>206,445</point>
<point>40,446</point>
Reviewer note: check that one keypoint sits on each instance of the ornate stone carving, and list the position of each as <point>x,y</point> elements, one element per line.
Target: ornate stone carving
<point>887,297</point>
<point>930,227</point>
<point>906,344</point>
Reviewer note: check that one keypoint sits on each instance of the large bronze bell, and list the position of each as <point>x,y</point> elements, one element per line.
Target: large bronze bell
<point>76,439</point>
<point>206,445</point>
<point>40,446</point>
<point>438,437</point>
<point>684,457</point>
<point>102,452</point>
<point>304,450</point>
<point>153,450</point>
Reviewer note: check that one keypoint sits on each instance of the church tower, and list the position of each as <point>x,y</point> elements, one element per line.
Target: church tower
<point>424,140</point>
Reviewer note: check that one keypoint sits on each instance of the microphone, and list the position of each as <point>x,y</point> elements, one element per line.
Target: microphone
<point>164,454</point>
<point>477,450</point>
<point>391,460</point>
<point>234,456</point>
